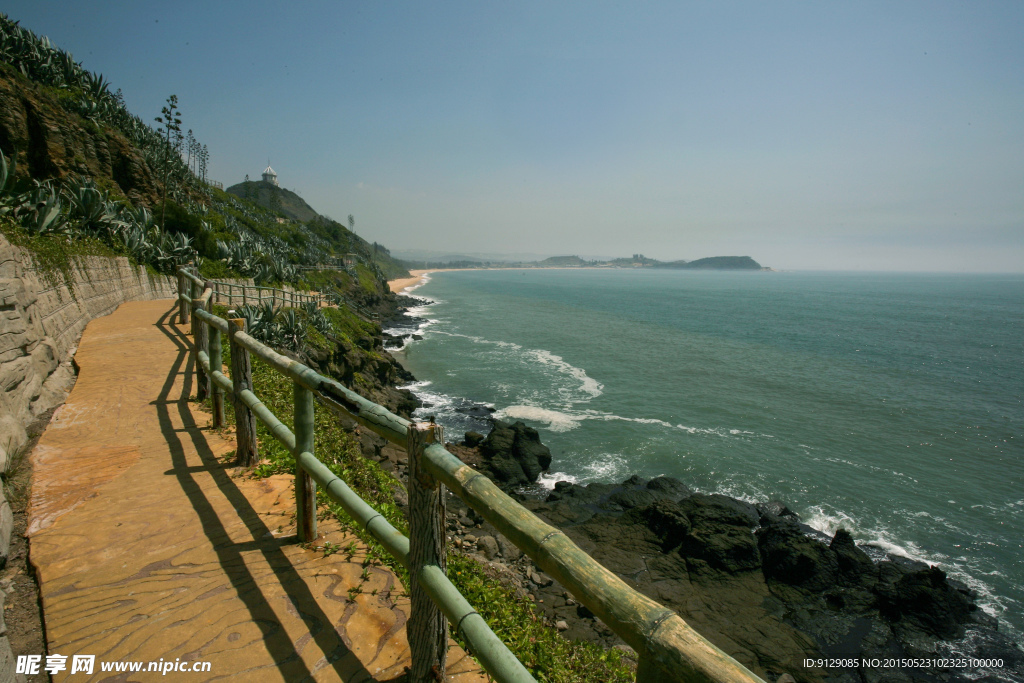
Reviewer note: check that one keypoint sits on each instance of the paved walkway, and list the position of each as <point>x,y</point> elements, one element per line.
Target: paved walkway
<point>148,546</point>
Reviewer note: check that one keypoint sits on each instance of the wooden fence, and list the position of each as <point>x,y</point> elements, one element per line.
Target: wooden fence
<point>239,294</point>
<point>668,649</point>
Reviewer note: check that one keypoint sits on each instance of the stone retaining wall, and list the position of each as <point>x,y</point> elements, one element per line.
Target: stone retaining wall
<point>41,322</point>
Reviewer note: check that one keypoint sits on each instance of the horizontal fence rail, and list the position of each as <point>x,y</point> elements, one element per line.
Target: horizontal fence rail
<point>238,294</point>
<point>668,649</point>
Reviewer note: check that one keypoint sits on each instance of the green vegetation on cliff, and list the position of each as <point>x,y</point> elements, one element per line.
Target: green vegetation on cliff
<point>82,166</point>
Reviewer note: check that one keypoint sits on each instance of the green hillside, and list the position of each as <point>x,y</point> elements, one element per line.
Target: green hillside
<point>275,198</point>
<point>78,166</point>
<point>723,263</point>
<point>562,262</point>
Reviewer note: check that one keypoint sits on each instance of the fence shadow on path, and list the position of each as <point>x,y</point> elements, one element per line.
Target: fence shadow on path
<point>286,653</point>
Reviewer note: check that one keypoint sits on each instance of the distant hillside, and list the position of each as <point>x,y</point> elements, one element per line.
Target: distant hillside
<point>274,198</point>
<point>721,263</point>
<point>279,200</point>
<point>563,262</point>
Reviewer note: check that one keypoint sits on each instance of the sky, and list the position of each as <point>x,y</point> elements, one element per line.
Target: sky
<point>807,135</point>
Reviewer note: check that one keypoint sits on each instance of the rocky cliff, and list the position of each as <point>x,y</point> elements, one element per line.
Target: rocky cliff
<point>49,142</point>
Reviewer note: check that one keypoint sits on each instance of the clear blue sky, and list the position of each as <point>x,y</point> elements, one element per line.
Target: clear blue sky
<point>812,135</point>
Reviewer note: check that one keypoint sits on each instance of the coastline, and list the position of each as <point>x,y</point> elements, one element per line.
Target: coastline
<point>401,284</point>
<point>397,286</point>
<point>741,559</point>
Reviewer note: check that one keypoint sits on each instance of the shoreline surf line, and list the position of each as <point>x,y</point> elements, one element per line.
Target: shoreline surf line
<point>397,286</point>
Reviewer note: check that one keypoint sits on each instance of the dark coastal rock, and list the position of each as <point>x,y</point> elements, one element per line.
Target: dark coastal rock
<point>666,519</point>
<point>472,439</point>
<point>591,494</point>
<point>633,498</point>
<point>773,511</point>
<point>930,603</point>
<point>720,535</point>
<point>669,487</point>
<point>751,578</point>
<point>514,454</point>
<point>475,410</point>
<point>855,567</point>
<point>792,557</point>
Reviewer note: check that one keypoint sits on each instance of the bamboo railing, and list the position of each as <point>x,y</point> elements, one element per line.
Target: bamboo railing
<point>236,293</point>
<point>668,649</point>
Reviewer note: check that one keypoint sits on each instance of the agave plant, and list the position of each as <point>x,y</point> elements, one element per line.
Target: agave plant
<point>90,209</point>
<point>259,321</point>
<point>135,240</point>
<point>291,330</point>
<point>140,216</point>
<point>11,202</point>
<point>46,215</point>
<point>317,318</point>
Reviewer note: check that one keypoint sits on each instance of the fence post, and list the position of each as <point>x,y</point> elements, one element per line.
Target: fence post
<point>193,288</point>
<point>428,628</point>
<point>246,451</point>
<point>305,487</point>
<point>182,306</point>
<point>216,365</point>
<point>202,342</point>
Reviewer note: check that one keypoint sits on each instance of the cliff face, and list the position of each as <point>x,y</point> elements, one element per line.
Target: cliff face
<point>49,142</point>
<point>41,323</point>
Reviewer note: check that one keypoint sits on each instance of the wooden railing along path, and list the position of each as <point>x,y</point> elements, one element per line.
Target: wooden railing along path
<point>668,649</point>
<point>234,293</point>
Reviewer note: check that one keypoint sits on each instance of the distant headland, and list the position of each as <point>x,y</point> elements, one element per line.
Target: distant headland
<point>635,261</point>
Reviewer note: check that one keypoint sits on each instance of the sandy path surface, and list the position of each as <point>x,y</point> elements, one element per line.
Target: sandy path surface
<point>149,545</point>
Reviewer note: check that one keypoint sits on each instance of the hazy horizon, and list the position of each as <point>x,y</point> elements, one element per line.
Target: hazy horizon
<point>808,136</point>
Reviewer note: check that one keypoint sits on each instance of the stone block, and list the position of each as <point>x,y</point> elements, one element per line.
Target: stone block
<point>44,357</point>
<point>14,373</point>
<point>12,434</point>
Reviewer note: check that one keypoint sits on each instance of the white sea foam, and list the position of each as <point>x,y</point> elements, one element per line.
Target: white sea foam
<point>606,467</point>
<point>565,420</point>
<point>416,386</point>
<point>424,279</point>
<point>549,479</point>
<point>416,323</point>
<point>959,568</point>
<point>588,385</point>
<point>481,340</point>
<point>556,421</point>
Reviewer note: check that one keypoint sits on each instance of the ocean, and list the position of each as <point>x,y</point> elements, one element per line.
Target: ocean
<point>888,404</point>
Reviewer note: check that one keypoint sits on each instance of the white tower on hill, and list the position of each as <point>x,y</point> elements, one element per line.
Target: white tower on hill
<point>269,175</point>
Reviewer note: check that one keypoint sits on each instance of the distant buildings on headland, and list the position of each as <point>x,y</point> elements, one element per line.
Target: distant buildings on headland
<point>269,175</point>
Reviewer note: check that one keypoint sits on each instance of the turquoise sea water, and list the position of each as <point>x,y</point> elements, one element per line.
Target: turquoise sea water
<point>892,405</point>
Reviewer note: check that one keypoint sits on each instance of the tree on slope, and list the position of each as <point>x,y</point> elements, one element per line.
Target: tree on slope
<point>171,130</point>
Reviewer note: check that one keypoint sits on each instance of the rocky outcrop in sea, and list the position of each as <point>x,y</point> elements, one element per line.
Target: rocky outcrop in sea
<point>769,590</point>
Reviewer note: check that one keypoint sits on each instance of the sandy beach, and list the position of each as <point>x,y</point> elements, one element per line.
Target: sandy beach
<point>401,283</point>
<point>417,275</point>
